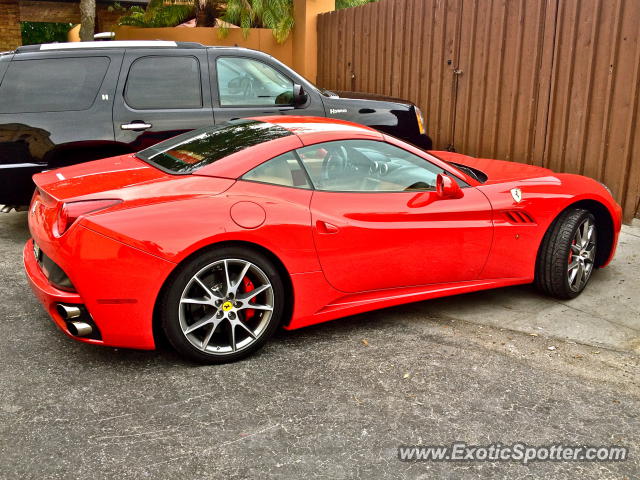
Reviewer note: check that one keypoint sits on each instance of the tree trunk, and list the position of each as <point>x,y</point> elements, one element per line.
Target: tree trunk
<point>87,20</point>
<point>207,11</point>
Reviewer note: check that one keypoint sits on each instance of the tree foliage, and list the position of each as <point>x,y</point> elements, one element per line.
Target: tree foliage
<point>274,14</point>
<point>34,33</point>
<point>155,15</point>
<point>351,3</point>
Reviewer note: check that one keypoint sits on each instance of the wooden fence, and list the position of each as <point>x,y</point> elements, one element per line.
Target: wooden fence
<point>545,82</point>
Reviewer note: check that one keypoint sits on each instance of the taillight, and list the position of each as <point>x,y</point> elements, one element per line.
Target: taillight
<point>70,212</point>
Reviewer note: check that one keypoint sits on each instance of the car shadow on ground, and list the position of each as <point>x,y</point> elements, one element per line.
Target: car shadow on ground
<point>384,322</point>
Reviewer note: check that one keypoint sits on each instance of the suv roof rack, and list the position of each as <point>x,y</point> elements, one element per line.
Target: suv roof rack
<point>109,44</point>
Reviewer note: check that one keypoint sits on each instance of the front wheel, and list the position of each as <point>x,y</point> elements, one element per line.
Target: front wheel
<point>222,305</point>
<point>567,255</point>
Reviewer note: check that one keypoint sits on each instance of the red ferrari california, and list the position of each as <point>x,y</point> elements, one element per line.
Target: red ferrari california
<point>216,237</point>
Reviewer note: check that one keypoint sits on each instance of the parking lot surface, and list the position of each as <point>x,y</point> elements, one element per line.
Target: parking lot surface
<point>334,400</point>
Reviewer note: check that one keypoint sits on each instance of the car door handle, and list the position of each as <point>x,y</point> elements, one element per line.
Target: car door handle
<point>135,126</point>
<point>325,227</point>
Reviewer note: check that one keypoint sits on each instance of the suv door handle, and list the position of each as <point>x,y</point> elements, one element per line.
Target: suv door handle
<point>136,126</point>
<point>324,227</point>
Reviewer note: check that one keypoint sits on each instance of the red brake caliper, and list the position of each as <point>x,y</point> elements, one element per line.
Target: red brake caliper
<point>571,251</point>
<point>247,286</point>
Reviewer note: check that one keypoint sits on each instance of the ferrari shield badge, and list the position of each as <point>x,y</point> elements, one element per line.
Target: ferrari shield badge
<point>516,193</point>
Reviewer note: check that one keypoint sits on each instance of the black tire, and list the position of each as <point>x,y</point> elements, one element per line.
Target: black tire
<point>172,311</point>
<point>552,275</point>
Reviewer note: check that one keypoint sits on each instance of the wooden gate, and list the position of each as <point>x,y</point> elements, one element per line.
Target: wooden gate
<point>545,82</point>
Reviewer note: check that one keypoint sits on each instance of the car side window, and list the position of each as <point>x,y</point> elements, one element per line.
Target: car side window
<point>282,170</point>
<point>248,82</point>
<point>52,84</point>
<point>156,82</point>
<point>367,166</point>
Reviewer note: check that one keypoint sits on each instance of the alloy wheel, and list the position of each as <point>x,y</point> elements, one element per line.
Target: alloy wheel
<point>582,255</point>
<point>226,306</point>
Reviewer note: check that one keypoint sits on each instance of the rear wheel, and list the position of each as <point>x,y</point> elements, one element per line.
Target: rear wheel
<point>567,256</point>
<point>222,305</point>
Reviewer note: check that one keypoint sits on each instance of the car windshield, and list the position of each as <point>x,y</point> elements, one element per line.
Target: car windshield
<point>190,151</point>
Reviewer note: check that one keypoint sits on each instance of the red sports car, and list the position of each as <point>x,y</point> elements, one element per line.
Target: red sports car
<point>217,236</point>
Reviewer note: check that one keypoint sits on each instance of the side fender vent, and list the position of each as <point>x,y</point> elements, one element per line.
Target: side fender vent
<point>518,216</point>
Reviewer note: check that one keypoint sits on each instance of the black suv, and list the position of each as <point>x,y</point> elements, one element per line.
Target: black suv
<point>67,103</point>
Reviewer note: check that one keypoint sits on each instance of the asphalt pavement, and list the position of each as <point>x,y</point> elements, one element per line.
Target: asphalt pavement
<point>334,400</point>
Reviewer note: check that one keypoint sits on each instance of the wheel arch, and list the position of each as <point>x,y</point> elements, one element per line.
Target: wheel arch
<point>158,334</point>
<point>604,223</point>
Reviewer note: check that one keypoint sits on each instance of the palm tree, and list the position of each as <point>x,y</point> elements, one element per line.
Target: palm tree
<point>207,11</point>
<point>156,14</point>
<point>87,20</point>
<point>160,13</point>
<point>274,14</point>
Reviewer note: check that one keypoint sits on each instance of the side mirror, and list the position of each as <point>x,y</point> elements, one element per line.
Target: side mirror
<point>300,97</point>
<point>447,187</point>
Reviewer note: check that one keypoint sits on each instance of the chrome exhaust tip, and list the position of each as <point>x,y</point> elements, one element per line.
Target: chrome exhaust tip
<point>79,329</point>
<point>78,321</point>
<point>68,312</point>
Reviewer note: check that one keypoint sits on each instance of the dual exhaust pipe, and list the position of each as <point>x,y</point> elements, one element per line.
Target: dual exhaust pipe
<point>71,314</point>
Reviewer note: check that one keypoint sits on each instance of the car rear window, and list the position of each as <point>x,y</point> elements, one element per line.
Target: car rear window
<point>52,84</point>
<point>193,150</point>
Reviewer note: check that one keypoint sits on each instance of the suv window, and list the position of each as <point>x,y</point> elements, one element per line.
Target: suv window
<point>283,170</point>
<point>247,82</point>
<point>163,83</point>
<point>52,84</point>
<point>367,166</point>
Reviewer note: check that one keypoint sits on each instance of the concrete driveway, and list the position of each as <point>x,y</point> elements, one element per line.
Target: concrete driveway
<point>334,400</point>
<point>607,314</point>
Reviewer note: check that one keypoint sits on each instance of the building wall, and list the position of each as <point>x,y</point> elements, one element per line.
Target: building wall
<point>106,21</point>
<point>12,12</point>
<point>10,36</point>
<point>62,12</point>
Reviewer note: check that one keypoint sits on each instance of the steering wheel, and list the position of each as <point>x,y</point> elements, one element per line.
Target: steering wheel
<point>334,163</point>
<point>246,84</point>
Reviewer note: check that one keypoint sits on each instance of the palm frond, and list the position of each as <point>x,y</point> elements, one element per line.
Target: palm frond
<point>157,14</point>
<point>274,14</point>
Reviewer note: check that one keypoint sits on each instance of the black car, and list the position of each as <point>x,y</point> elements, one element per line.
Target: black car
<point>67,103</point>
